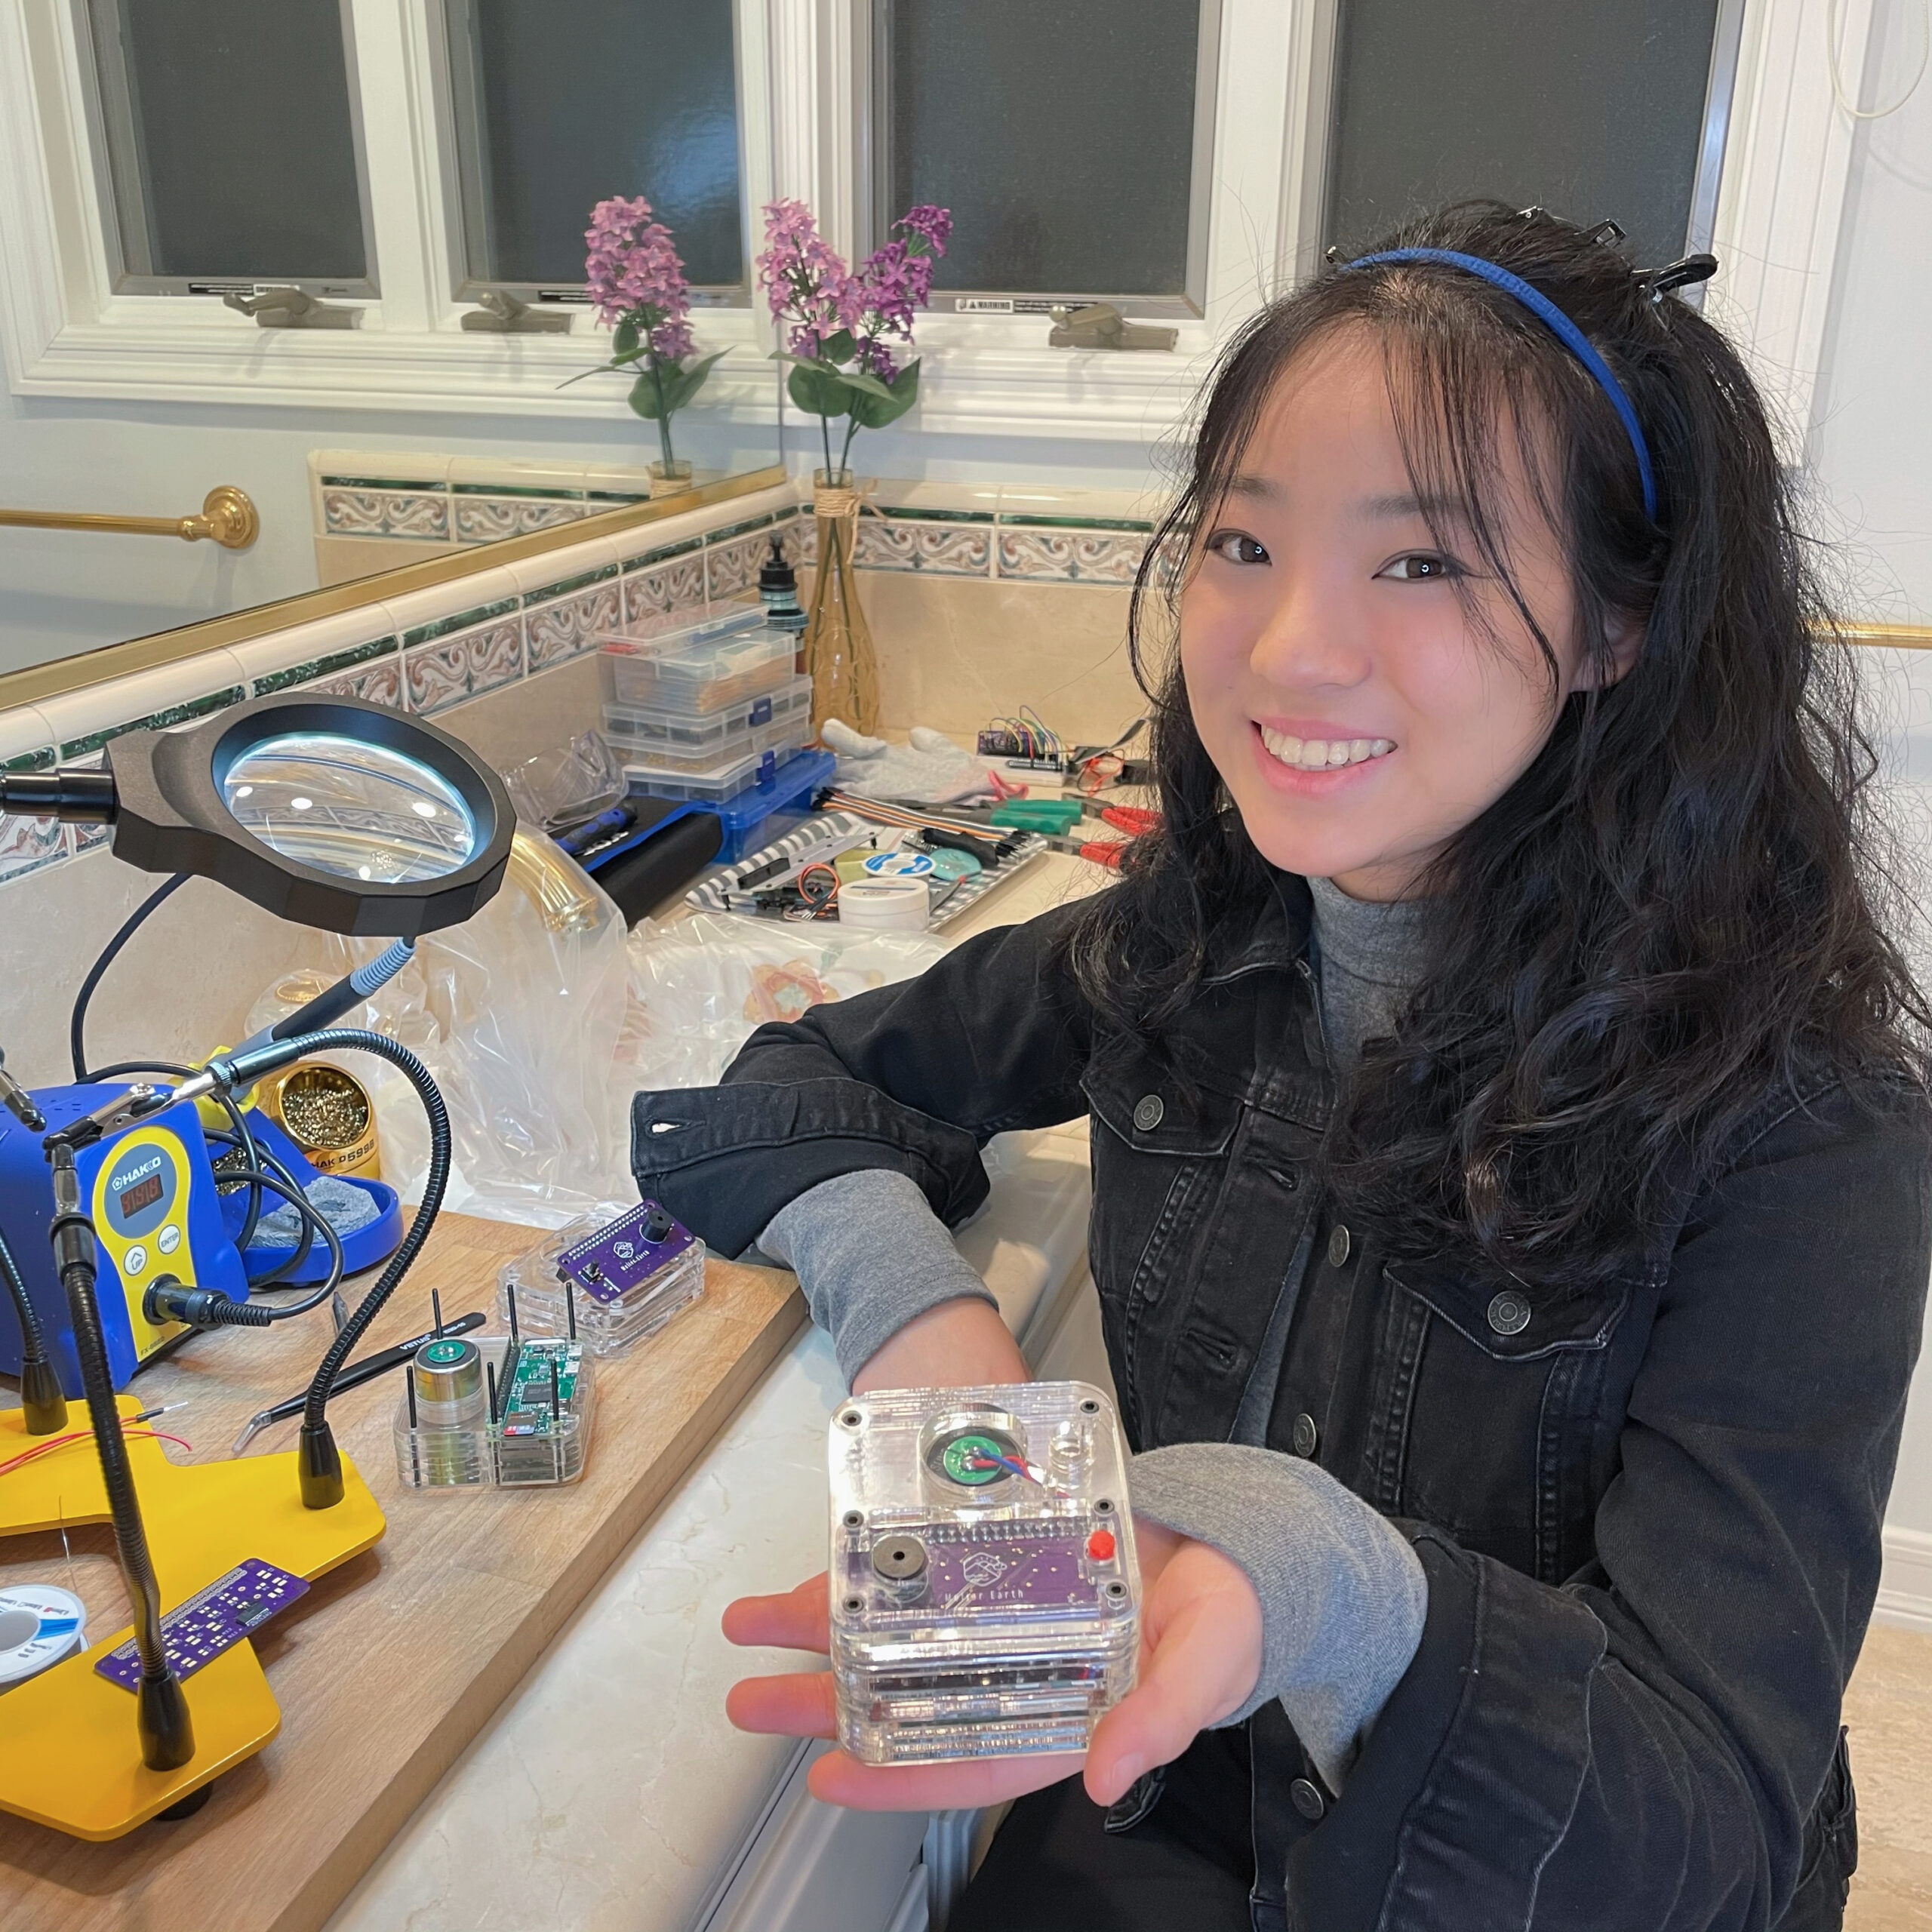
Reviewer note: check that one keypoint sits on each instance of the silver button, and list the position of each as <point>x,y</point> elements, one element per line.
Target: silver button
<point>1306,1435</point>
<point>1147,1111</point>
<point>1338,1246</point>
<point>1509,1313</point>
<point>1305,1795</point>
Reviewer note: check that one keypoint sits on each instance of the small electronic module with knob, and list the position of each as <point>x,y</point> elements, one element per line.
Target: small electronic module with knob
<point>985,1596</point>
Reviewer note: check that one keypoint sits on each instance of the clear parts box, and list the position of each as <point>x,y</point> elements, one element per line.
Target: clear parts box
<point>985,1596</point>
<point>721,660</point>
<point>609,1278</point>
<point>651,741</point>
<point>494,1410</point>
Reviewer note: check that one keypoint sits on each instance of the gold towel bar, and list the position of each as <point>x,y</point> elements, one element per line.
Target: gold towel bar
<point>227,517</point>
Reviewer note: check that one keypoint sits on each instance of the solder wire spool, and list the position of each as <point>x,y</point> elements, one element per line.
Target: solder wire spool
<point>39,1625</point>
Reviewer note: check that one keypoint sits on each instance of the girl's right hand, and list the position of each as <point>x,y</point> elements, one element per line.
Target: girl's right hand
<point>958,1345</point>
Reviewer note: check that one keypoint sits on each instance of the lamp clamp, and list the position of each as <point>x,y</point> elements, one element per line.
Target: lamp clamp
<point>122,1110</point>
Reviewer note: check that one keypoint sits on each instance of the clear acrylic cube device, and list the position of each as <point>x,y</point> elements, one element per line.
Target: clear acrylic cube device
<point>605,1327</point>
<point>985,1596</point>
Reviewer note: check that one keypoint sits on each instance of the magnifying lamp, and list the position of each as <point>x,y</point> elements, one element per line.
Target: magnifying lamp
<point>328,811</point>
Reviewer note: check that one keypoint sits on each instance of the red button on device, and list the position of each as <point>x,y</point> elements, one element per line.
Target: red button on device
<point>1100,1545</point>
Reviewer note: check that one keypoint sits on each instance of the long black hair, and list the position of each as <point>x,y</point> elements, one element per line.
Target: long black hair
<point>1674,913</point>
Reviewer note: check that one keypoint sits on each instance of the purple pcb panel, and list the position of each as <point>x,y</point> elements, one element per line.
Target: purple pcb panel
<point>212,1620</point>
<point>607,1265</point>
<point>1021,1572</point>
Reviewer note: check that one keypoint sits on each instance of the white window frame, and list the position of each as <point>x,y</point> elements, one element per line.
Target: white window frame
<point>66,333</point>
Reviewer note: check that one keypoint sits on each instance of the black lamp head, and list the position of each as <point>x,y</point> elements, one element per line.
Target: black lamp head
<point>328,811</point>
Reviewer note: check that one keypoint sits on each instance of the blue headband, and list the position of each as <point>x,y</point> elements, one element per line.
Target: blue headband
<point>1559,325</point>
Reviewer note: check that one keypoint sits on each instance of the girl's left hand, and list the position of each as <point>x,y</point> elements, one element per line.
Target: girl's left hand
<point>1200,1655</point>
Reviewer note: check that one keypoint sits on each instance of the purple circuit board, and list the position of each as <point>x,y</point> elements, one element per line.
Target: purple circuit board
<point>983,1572</point>
<point>212,1620</point>
<point>608,1265</point>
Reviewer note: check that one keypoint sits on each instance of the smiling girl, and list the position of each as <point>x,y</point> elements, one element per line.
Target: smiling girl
<point>1512,1183</point>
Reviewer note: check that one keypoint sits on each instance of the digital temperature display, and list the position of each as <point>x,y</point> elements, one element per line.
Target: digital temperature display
<point>143,1194</point>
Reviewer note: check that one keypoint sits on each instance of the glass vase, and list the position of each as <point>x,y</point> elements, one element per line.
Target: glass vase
<point>838,642</point>
<point>670,479</point>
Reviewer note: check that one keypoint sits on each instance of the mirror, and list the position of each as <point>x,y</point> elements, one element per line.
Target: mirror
<point>392,329</point>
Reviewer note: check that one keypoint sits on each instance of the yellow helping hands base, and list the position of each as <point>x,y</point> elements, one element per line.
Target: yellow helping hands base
<point>69,1756</point>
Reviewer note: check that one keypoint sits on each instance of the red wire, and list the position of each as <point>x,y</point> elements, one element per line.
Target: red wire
<point>82,1435</point>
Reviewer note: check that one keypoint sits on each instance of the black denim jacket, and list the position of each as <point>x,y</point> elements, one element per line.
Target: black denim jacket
<point>1649,1513</point>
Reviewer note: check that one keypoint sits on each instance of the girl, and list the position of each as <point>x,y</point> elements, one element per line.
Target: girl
<point>1511,1155</point>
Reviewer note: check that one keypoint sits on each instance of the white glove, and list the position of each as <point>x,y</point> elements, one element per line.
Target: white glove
<point>930,770</point>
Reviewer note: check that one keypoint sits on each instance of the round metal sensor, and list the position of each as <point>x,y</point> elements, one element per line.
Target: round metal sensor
<point>899,1559</point>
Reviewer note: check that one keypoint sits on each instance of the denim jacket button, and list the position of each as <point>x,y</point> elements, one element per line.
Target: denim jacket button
<point>1338,1246</point>
<point>1509,1313</point>
<point>1306,1796</point>
<point>1147,1111</point>
<point>1306,1435</point>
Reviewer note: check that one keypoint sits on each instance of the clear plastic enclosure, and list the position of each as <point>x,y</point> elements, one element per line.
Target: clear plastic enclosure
<point>985,1595</point>
<point>538,1436</point>
<point>619,1309</point>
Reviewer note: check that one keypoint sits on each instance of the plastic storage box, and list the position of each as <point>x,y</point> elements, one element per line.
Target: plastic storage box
<point>759,812</point>
<point>652,1279</point>
<point>700,667</point>
<point>649,740</point>
<point>540,1436</point>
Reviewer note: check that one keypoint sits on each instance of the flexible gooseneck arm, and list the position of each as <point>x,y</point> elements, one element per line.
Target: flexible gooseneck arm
<point>167,1734</point>
<point>320,1461</point>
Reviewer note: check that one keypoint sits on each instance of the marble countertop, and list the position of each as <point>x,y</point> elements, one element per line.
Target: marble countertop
<point>609,1790</point>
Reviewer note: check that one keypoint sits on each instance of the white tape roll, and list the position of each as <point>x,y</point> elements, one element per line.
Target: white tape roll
<point>897,905</point>
<point>39,1625</point>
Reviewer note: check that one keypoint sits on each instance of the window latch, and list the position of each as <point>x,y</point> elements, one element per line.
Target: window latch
<point>503,314</point>
<point>290,308</point>
<point>1100,325</point>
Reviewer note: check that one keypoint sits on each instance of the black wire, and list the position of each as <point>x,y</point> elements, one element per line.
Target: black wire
<point>236,1120</point>
<point>233,1177</point>
<point>256,1176</point>
<point>108,953</point>
<point>291,1192</point>
<point>314,1413</point>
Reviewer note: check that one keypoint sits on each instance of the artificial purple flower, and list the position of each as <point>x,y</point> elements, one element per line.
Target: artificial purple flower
<point>932,224</point>
<point>636,274</point>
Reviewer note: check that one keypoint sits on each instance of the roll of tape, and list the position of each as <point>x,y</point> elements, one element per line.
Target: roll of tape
<point>897,905</point>
<point>899,865</point>
<point>39,1625</point>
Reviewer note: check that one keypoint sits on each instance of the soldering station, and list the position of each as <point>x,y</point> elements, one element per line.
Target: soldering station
<point>148,1202</point>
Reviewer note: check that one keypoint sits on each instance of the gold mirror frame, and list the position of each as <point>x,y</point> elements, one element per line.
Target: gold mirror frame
<point>34,682</point>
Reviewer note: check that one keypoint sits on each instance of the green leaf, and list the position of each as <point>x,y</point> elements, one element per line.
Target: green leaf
<point>626,339</point>
<point>644,398</point>
<point>837,348</point>
<point>817,391</point>
<point>870,412</point>
<point>869,385</point>
<point>681,383</point>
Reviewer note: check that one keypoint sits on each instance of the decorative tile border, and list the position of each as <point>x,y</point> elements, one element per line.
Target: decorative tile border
<point>487,519</point>
<point>1061,555</point>
<point>566,618</point>
<point>354,508</point>
<point>945,549</point>
<point>437,675</point>
<point>1023,547</point>
<point>460,620</point>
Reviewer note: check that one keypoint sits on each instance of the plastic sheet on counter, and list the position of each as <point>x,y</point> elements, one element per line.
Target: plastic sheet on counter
<point>701,985</point>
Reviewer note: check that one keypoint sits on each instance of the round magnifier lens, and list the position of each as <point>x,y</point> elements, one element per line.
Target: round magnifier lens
<point>360,811</point>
